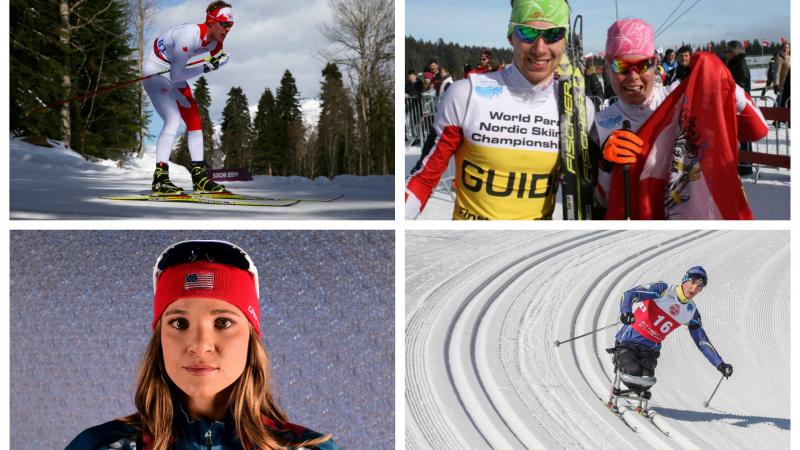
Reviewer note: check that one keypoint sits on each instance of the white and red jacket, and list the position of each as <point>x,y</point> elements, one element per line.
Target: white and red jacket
<point>178,46</point>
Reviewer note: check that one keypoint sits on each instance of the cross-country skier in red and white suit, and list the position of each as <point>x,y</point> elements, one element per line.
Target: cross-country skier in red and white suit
<point>172,97</point>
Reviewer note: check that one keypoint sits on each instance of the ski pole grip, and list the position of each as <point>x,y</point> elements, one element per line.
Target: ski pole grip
<point>626,125</point>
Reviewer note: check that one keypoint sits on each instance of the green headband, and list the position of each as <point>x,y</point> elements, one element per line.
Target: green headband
<point>553,11</point>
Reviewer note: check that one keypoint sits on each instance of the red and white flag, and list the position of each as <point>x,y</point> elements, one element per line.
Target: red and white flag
<point>765,43</point>
<point>688,166</point>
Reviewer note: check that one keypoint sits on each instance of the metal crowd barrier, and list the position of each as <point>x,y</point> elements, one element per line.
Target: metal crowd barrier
<point>772,151</point>
<point>420,114</point>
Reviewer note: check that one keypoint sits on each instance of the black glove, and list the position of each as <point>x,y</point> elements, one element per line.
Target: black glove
<point>627,318</point>
<point>215,62</point>
<point>726,369</point>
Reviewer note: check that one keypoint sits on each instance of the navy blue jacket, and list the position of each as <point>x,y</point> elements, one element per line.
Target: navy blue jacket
<point>653,291</point>
<point>197,434</point>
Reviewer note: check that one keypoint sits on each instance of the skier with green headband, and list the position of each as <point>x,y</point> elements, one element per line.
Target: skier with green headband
<point>503,128</point>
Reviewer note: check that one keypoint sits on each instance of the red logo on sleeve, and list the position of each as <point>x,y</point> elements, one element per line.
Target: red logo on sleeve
<point>185,49</point>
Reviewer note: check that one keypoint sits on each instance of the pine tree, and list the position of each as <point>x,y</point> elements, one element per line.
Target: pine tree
<point>181,155</point>
<point>287,106</point>
<point>236,130</point>
<point>381,131</point>
<point>263,143</point>
<point>106,125</point>
<point>35,67</point>
<point>335,138</point>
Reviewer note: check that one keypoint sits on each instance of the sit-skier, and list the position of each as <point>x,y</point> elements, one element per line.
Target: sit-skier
<point>649,313</point>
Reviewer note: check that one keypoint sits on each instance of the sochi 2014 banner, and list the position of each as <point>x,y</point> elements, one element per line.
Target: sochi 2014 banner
<point>688,166</point>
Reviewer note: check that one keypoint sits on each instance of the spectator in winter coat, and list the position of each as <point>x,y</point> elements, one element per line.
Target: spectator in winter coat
<point>681,70</point>
<point>738,65</point>
<point>447,80</point>
<point>594,84</point>
<point>669,62</point>
<point>485,63</point>
<point>741,75</point>
<point>413,84</point>
<point>205,378</point>
<point>783,62</point>
<point>436,77</point>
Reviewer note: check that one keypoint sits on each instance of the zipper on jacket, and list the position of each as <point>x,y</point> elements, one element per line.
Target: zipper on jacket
<point>208,438</point>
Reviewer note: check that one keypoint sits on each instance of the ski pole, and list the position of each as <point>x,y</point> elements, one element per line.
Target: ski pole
<point>626,125</point>
<point>110,87</point>
<point>705,403</point>
<point>557,342</point>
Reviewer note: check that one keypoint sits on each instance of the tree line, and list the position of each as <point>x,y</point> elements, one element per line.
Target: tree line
<point>63,48</point>
<point>450,55</point>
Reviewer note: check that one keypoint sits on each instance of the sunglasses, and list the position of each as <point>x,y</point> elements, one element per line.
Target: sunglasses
<point>529,34</point>
<point>212,251</point>
<point>225,25</point>
<point>623,66</point>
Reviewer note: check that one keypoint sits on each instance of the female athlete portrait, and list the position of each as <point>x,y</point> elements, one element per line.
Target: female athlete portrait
<point>180,340</point>
<point>204,380</point>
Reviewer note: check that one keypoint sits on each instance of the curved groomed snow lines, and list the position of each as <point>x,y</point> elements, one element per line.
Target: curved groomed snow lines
<point>482,371</point>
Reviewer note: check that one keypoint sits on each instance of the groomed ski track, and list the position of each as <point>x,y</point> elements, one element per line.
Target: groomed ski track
<point>484,309</point>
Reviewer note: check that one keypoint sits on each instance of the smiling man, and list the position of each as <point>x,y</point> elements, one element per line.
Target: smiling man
<point>502,127</point>
<point>649,313</point>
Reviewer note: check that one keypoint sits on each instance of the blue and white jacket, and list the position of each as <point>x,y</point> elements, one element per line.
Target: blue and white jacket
<point>660,294</point>
<point>197,434</point>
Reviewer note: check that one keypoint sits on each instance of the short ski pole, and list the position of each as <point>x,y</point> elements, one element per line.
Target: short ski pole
<point>626,172</point>
<point>705,403</point>
<point>110,88</point>
<point>557,342</point>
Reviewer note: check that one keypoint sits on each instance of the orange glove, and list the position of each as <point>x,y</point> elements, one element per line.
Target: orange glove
<point>622,147</point>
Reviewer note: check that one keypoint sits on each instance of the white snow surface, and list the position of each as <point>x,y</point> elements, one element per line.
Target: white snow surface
<point>483,310</point>
<point>57,183</point>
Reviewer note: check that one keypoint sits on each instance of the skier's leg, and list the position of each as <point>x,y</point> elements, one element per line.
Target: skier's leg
<point>190,113</point>
<point>159,89</point>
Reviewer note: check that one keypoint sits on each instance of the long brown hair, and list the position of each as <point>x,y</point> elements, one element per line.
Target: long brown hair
<point>249,403</point>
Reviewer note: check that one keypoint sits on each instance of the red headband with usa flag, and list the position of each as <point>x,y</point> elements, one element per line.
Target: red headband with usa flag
<point>220,15</point>
<point>203,279</point>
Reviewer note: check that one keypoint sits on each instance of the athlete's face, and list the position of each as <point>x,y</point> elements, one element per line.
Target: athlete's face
<point>204,342</point>
<point>217,31</point>
<point>633,87</point>
<point>691,288</point>
<point>538,60</point>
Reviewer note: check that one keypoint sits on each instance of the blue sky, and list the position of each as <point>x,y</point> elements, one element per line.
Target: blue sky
<point>483,23</point>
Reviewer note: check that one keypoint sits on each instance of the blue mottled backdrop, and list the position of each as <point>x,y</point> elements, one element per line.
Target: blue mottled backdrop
<point>81,308</point>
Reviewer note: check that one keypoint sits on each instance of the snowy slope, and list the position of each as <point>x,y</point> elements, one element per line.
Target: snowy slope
<point>57,183</point>
<point>484,308</point>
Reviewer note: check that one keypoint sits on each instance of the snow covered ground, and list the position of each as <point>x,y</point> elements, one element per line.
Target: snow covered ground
<point>57,183</point>
<point>483,310</point>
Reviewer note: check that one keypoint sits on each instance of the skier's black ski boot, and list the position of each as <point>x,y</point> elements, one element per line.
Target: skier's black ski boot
<point>201,182</point>
<point>162,185</point>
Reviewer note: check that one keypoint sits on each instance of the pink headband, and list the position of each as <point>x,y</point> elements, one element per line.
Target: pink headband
<point>630,37</point>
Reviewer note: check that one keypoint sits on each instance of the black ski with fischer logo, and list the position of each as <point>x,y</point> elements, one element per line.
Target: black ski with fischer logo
<point>576,183</point>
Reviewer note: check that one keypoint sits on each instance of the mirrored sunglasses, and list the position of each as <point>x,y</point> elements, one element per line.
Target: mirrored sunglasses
<point>529,34</point>
<point>622,66</point>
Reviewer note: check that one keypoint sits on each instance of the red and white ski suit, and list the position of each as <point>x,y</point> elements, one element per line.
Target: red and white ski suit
<point>169,92</point>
